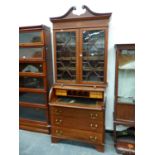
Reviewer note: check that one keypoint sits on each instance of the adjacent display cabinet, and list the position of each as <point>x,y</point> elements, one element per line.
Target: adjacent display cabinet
<point>35,77</point>
<point>124,114</point>
<point>77,99</point>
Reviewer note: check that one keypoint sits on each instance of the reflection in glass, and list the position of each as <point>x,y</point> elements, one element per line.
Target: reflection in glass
<point>34,53</point>
<point>66,55</point>
<point>30,37</point>
<point>126,76</point>
<point>31,67</point>
<point>32,113</point>
<point>32,98</point>
<point>31,82</point>
<point>93,55</point>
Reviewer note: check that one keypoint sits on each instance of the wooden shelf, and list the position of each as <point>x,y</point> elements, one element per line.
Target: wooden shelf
<point>126,139</point>
<point>66,59</point>
<point>124,122</point>
<point>82,87</point>
<point>32,74</point>
<point>31,60</point>
<point>31,44</point>
<point>88,58</point>
<point>61,44</point>
<point>84,68</point>
<point>98,106</point>
<point>33,105</point>
<point>67,68</point>
<point>126,69</point>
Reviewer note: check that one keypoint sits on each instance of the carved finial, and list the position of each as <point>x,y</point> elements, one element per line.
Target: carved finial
<point>83,6</point>
<point>73,8</point>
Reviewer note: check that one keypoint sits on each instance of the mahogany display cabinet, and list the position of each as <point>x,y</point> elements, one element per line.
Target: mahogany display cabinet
<point>124,110</point>
<point>35,77</point>
<point>77,99</point>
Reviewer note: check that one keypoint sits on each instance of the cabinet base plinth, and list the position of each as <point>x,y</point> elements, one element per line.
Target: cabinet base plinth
<point>55,140</point>
<point>98,147</point>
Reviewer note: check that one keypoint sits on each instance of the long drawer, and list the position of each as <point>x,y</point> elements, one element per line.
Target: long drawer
<point>78,123</point>
<point>77,113</point>
<point>73,134</point>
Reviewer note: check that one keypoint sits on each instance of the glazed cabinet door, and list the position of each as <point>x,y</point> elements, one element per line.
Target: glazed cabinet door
<point>31,37</point>
<point>31,53</point>
<point>125,84</point>
<point>92,56</point>
<point>36,69</point>
<point>32,82</point>
<point>36,114</point>
<point>33,98</point>
<point>66,46</point>
<point>31,68</point>
<point>126,76</point>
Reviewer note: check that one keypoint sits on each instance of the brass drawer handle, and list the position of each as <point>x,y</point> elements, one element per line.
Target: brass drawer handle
<point>130,146</point>
<point>58,111</point>
<point>58,121</point>
<point>59,132</point>
<point>93,116</point>
<point>93,138</point>
<point>95,126</point>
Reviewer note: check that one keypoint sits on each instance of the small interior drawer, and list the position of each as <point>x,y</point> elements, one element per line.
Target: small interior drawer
<point>98,95</point>
<point>61,92</point>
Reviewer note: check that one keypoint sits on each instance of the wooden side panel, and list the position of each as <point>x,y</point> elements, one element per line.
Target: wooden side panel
<point>125,112</point>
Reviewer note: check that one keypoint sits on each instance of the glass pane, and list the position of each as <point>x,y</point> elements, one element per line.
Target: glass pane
<point>66,55</point>
<point>32,98</point>
<point>93,55</point>
<point>30,37</point>
<point>126,77</point>
<point>31,82</point>
<point>31,67</point>
<point>35,53</point>
<point>32,113</point>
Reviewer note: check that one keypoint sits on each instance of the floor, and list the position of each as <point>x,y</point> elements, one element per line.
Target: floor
<point>31,143</point>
